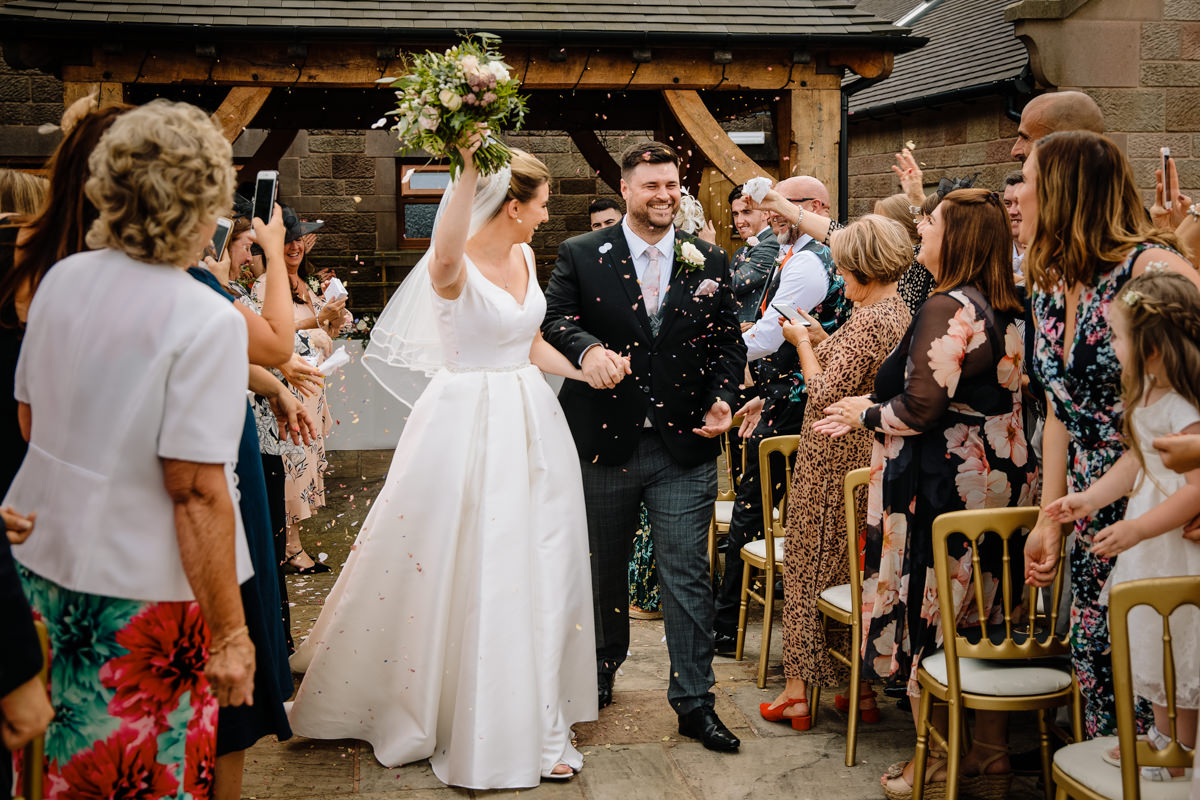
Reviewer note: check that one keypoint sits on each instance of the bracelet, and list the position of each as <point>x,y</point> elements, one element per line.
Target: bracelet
<point>862,418</point>
<point>227,640</point>
<point>1193,210</point>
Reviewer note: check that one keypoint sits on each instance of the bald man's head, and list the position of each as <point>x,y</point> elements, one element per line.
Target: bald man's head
<point>1053,112</point>
<point>805,189</point>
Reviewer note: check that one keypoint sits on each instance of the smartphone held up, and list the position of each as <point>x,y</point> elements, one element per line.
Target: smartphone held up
<point>1168,189</point>
<point>266,186</point>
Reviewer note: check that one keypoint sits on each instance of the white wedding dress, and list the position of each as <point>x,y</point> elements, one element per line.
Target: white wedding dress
<point>460,628</point>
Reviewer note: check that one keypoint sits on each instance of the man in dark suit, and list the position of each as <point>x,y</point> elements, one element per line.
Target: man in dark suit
<point>752,263</point>
<point>643,290</point>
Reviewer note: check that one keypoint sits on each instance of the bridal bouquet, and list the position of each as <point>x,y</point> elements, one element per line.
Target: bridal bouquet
<point>445,96</point>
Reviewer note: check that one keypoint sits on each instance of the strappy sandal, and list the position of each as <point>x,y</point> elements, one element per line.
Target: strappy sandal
<point>895,787</point>
<point>985,785</point>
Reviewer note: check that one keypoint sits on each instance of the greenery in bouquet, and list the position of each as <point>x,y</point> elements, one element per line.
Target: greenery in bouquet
<point>445,96</point>
<point>361,329</point>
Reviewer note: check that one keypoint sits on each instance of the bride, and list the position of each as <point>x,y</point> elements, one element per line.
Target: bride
<point>460,628</point>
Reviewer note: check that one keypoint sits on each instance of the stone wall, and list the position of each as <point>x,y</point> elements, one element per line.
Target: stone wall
<point>1139,59</point>
<point>28,98</point>
<point>953,141</point>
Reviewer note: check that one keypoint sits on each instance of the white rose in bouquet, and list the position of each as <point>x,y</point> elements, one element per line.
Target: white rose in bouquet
<point>449,100</point>
<point>498,70</point>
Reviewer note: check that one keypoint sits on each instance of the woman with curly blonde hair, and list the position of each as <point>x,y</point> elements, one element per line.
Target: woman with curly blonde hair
<point>131,383</point>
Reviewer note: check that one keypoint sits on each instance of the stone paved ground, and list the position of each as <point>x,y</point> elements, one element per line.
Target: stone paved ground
<point>632,751</point>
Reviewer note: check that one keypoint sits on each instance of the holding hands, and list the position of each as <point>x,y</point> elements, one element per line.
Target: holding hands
<point>604,369</point>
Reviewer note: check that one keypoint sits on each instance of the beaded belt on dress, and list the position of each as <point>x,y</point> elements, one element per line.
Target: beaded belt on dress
<point>509,368</point>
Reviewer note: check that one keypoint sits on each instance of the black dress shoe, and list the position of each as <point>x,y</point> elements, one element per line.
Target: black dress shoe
<point>702,723</point>
<point>724,644</point>
<point>604,684</point>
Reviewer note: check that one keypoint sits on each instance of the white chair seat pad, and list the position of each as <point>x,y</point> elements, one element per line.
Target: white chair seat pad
<point>1084,762</point>
<point>998,678</point>
<point>839,597</point>
<point>758,549</point>
<point>723,512</point>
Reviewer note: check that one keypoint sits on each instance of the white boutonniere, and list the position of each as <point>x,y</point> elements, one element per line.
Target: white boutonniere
<point>688,256</point>
<point>752,241</point>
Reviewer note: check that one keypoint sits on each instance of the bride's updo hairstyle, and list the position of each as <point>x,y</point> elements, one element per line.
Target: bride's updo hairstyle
<point>528,175</point>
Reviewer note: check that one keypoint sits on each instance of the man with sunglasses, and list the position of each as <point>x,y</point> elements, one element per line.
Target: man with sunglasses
<point>803,278</point>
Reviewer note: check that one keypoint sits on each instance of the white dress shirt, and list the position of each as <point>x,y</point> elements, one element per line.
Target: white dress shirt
<point>124,364</point>
<point>803,284</point>
<point>637,250</point>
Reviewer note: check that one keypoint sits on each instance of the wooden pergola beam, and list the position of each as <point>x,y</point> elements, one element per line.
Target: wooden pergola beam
<point>703,129</point>
<point>597,157</point>
<point>238,108</point>
<point>267,156</point>
<point>107,92</point>
<point>356,65</point>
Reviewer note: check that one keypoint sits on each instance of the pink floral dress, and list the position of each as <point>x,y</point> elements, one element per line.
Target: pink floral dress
<point>949,436</point>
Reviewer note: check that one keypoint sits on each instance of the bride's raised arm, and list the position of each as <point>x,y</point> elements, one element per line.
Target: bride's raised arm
<point>447,271</point>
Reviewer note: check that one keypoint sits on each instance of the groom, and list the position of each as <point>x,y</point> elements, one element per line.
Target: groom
<point>645,291</point>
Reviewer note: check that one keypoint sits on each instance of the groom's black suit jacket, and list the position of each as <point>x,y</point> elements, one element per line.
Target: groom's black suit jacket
<point>697,357</point>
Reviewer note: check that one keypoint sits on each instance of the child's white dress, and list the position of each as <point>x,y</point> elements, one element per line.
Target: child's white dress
<point>1168,555</point>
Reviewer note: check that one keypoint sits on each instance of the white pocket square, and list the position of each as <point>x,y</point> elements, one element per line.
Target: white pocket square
<point>707,286</point>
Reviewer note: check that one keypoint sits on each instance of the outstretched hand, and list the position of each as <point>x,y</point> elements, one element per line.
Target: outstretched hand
<point>1070,507</point>
<point>910,175</point>
<point>718,420</point>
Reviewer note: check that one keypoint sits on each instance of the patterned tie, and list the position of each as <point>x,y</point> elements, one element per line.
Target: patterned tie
<point>650,280</point>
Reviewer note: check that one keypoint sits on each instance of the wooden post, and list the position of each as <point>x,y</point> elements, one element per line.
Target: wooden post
<point>812,121</point>
<point>238,109</point>
<point>783,130</point>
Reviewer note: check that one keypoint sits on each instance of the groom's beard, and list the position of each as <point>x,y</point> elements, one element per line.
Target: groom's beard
<point>789,236</point>
<point>642,217</point>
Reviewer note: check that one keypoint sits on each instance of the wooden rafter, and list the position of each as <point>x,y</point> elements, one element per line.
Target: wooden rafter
<point>865,63</point>
<point>342,65</point>
<point>597,157</point>
<point>703,129</point>
<point>238,109</point>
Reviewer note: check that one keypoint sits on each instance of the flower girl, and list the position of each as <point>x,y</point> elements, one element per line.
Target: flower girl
<point>1156,337</point>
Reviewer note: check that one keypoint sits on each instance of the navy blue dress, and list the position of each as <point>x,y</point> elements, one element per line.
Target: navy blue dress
<point>238,727</point>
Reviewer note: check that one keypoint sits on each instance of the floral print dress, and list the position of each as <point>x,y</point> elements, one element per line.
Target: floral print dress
<point>133,714</point>
<point>949,436</point>
<point>1084,386</point>
<point>304,466</point>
